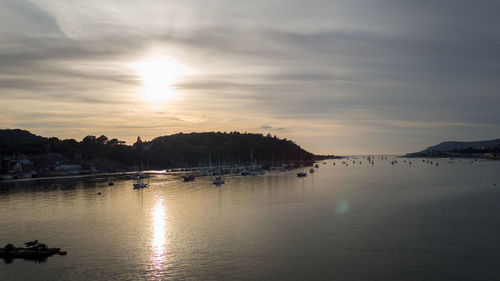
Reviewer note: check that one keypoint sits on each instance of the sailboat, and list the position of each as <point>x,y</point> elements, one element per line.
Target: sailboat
<point>140,184</point>
<point>218,181</point>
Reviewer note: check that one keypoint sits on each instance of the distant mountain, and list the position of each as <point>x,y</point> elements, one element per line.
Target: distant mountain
<point>460,147</point>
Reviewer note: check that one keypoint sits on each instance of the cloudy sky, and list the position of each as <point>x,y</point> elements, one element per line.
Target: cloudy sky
<point>343,77</point>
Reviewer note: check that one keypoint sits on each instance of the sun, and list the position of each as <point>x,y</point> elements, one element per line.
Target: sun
<point>158,76</point>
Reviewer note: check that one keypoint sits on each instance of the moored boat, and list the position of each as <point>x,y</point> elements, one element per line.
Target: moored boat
<point>218,181</point>
<point>188,177</point>
<point>301,174</point>
<point>140,185</point>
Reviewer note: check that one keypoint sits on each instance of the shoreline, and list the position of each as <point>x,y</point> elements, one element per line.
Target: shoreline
<point>109,174</point>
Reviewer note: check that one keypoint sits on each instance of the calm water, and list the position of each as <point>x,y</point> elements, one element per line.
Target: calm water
<point>402,222</point>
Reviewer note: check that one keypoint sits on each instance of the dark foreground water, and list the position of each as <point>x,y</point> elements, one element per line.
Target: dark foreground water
<point>402,222</point>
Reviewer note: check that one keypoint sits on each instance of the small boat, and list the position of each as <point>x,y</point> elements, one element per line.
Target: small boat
<point>111,183</point>
<point>316,166</point>
<point>140,184</point>
<point>218,181</point>
<point>140,175</point>
<point>311,171</point>
<point>301,174</point>
<point>256,172</point>
<point>188,177</point>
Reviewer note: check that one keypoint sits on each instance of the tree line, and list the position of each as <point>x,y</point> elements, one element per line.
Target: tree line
<point>178,150</point>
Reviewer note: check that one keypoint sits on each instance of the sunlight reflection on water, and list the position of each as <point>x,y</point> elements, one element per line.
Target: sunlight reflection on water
<point>158,241</point>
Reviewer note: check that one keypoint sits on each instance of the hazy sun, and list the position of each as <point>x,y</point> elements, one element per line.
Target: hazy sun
<point>158,75</point>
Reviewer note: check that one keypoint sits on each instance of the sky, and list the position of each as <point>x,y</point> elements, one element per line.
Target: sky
<point>336,77</point>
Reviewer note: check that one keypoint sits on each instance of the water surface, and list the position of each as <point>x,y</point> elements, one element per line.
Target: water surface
<point>356,222</point>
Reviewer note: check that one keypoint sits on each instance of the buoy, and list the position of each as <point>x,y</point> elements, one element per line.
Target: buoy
<point>98,193</point>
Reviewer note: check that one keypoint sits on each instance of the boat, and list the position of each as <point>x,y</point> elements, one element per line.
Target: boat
<point>316,166</point>
<point>32,251</point>
<point>140,184</point>
<point>140,175</point>
<point>218,181</point>
<point>301,174</point>
<point>311,171</point>
<point>188,177</point>
<point>111,183</point>
<point>256,172</point>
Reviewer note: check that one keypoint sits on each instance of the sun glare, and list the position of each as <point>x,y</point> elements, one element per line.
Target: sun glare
<point>158,75</point>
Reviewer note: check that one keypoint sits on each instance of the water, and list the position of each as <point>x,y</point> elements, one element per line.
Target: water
<point>361,222</point>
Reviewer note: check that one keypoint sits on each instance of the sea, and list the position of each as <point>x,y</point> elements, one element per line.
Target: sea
<point>346,221</point>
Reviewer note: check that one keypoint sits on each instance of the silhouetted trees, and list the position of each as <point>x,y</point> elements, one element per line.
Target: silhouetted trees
<point>162,152</point>
<point>201,148</point>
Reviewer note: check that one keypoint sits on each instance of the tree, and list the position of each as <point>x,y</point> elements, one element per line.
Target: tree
<point>102,139</point>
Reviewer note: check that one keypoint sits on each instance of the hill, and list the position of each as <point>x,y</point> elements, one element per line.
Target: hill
<point>460,148</point>
<point>20,141</point>
<point>171,151</point>
<point>201,148</point>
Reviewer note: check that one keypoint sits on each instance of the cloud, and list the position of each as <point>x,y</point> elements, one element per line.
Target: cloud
<point>270,128</point>
<point>357,67</point>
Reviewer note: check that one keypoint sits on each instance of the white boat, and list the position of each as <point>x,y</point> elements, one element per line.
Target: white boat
<point>218,181</point>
